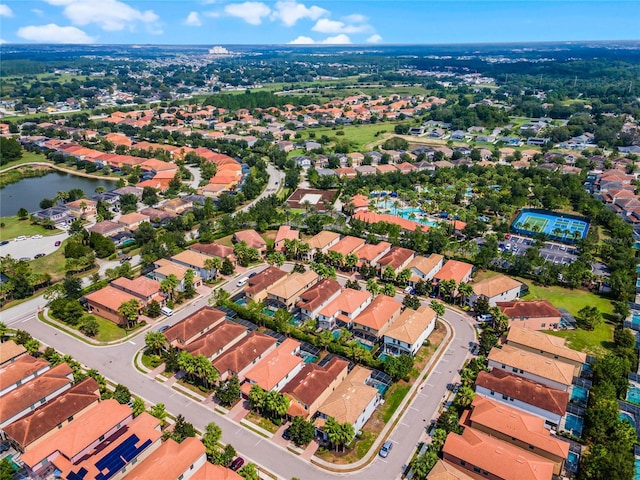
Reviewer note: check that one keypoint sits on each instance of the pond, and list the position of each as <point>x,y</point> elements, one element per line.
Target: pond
<point>28,192</point>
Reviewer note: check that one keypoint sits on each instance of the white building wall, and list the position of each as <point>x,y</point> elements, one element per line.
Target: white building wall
<point>13,386</point>
<point>529,376</point>
<point>366,413</point>
<point>39,403</point>
<point>280,385</point>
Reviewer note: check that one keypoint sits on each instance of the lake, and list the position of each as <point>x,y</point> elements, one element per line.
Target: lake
<point>28,192</point>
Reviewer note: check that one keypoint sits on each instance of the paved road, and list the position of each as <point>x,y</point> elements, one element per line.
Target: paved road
<point>276,177</point>
<point>32,246</point>
<point>116,363</point>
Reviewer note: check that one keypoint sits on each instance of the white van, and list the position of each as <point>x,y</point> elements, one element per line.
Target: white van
<point>166,311</point>
<point>242,282</point>
<point>485,318</point>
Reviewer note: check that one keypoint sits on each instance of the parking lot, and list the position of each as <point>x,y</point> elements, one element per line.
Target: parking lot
<point>557,253</point>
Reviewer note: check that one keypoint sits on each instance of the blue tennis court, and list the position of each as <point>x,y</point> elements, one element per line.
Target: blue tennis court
<point>556,226</point>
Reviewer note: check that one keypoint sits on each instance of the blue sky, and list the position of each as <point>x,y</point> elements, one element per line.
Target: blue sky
<point>219,22</point>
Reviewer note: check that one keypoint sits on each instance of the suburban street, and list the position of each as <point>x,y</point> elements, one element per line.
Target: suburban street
<point>116,363</point>
<point>275,180</point>
<point>32,246</point>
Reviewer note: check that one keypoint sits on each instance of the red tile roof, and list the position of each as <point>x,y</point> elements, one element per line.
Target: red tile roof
<point>243,353</point>
<point>318,294</point>
<point>531,308</point>
<point>194,324</point>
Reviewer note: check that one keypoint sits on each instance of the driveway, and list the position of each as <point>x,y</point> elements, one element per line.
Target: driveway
<point>115,362</point>
<point>32,246</point>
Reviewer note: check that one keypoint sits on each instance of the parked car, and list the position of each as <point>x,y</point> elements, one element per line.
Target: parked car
<point>4,242</point>
<point>485,318</point>
<point>38,255</point>
<point>287,434</point>
<point>163,328</point>
<point>408,290</point>
<point>4,447</point>
<point>237,464</point>
<point>252,274</point>
<point>24,259</point>
<point>57,244</point>
<point>241,283</point>
<point>36,237</point>
<point>386,449</point>
<point>20,238</point>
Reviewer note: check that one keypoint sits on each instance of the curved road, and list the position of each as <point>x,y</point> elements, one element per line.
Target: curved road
<point>116,363</point>
<point>276,177</point>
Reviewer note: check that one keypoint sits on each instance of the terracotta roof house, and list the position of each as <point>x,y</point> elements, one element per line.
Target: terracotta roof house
<point>347,245</point>
<point>376,318</point>
<point>357,203</point>
<point>386,168</point>
<point>10,351</point>
<point>352,401</point>
<point>209,471</point>
<point>238,359</point>
<point>312,386</point>
<point>546,345</point>
<point>20,371</point>
<point>549,372</point>
<point>321,242</point>
<point>82,208</point>
<point>409,331</point>
<point>164,268</point>
<point>195,261</point>
<point>131,221</point>
<point>454,270</point>
<point>274,370</point>
<point>286,293</point>
<point>498,288</point>
<point>517,428</point>
<point>217,340</point>
<point>527,395</point>
<point>317,297</point>
<point>445,471</point>
<point>24,399</point>
<point>171,460</point>
<point>214,250</point>
<point>425,268</point>
<point>256,287</point>
<point>397,258</point>
<point>478,452</point>
<point>252,239</point>
<point>44,421</point>
<point>194,326</point>
<point>344,308</point>
<point>533,314</point>
<point>285,232</point>
<point>131,444</point>
<point>107,228</point>
<point>77,439</point>
<point>370,253</point>
<point>106,302</point>
<point>142,287</point>
<point>177,206</point>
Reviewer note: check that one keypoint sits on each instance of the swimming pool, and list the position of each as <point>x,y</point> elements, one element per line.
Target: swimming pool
<point>637,469</point>
<point>574,424</point>
<point>579,394</point>
<point>635,319</point>
<point>633,394</point>
<point>572,461</point>
<point>624,416</point>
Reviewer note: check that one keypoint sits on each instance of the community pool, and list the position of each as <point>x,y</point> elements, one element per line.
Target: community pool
<point>633,394</point>
<point>408,213</point>
<point>574,424</point>
<point>556,226</point>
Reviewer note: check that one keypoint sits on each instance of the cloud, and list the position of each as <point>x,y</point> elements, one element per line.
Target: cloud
<point>37,12</point>
<point>211,14</point>
<point>192,20</point>
<point>250,12</point>
<point>355,18</point>
<point>341,39</point>
<point>289,12</point>
<point>110,15</point>
<point>3,41</point>
<point>325,25</point>
<point>5,11</point>
<point>302,40</point>
<point>53,33</point>
<point>375,38</point>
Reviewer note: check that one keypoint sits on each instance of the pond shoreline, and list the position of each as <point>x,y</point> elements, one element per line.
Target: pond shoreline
<point>61,169</point>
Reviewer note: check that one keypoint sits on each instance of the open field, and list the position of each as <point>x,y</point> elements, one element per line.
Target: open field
<point>27,157</point>
<point>53,264</point>
<point>14,227</point>
<point>358,135</point>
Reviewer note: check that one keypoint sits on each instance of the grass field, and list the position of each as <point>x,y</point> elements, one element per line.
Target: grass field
<point>27,157</point>
<point>14,227</point>
<point>53,264</point>
<point>595,342</point>
<point>358,135</point>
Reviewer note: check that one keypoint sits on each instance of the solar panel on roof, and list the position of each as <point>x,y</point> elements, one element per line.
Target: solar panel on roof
<point>79,475</point>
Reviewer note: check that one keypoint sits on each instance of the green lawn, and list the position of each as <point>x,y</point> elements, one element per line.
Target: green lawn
<point>393,399</point>
<point>359,135</point>
<point>109,331</point>
<point>14,227</point>
<point>54,263</point>
<point>595,342</point>
<point>262,422</point>
<point>27,157</point>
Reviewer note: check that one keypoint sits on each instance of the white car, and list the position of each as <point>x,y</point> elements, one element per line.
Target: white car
<point>20,238</point>
<point>36,237</point>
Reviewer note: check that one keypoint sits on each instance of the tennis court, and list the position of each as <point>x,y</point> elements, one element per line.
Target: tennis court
<point>556,226</point>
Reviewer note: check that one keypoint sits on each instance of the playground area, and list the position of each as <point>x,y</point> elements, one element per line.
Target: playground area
<point>564,228</point>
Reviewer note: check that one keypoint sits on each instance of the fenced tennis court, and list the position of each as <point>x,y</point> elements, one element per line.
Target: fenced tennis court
<point>562,227</point>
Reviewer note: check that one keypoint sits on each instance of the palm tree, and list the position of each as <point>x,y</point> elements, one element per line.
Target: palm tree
<point>169,285</point>
<point>213,264</point>
<point>333,431</point>
<point>465,395</point>
<point>257,397</point>
<point>350,261</point>
<point>155,341</point>
<point>186,363</point>
<point>324,339</point>
<point>465,290</point>
<point>447,287</point>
